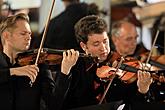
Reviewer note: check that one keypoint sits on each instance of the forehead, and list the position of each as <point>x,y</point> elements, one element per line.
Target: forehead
<point>128,29</point>
<point>97,37</point>
<point>22,25</point>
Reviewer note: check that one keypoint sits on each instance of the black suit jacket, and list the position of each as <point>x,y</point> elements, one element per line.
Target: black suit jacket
<point>83,90</point>
<point>17,94</point>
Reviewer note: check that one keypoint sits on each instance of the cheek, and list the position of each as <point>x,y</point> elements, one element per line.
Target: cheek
<point>93,50</point>
<point>108,48</point>
<point>120,46</point>
<point>125,45</point>
<point>12,41</point>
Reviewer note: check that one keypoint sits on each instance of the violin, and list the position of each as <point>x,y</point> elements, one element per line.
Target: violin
<point>127,70</point>
<point>47,55</point>
<point>157,61</point>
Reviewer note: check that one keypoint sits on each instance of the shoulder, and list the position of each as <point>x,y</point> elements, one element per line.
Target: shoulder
<point>3,60</point>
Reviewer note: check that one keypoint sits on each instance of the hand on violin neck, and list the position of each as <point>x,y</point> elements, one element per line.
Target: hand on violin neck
<point>144,66</point>
<point>70,58</point>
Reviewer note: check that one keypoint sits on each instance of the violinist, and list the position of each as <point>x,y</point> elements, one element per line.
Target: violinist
<point>16,92</point>
<point>86,87</point>
<point>124,37</point>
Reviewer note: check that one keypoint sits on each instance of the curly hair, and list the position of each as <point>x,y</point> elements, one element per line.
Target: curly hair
<point>88,25</point>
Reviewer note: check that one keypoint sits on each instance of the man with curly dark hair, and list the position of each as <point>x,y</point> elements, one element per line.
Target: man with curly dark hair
<point>86,87</point>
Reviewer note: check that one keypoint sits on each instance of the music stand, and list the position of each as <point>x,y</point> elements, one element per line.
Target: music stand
<point>107,106</point>
<point>148,106</point>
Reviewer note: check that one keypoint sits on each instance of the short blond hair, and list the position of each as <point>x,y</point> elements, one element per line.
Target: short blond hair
<point>10,22</point>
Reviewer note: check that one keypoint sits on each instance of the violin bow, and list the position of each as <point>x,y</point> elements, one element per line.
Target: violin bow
<point>150,53</point>
<point>43,36</point>
<point>164,42</point>
<point>152,48</point>
<point>44,33</point>
<point>110,82</point>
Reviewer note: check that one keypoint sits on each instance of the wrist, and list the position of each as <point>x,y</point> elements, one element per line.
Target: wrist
<point>11,71</point>
<point>65,71</point>
<point>143,90</point>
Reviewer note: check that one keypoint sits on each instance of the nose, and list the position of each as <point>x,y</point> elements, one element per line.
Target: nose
<point>28,37</point>
<point>102,46</point>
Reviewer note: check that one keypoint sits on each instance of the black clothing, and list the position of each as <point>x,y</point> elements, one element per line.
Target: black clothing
<point>83,91</point>
<point>158,90</point>
<point>160,42</point>
<point>17,94</point>
<point>60,34</point>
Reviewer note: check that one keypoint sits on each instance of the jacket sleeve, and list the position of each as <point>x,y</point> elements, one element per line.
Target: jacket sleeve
<point>4,69</point>
<point>147,97</point>
<point>4,75</point>
<point>54,91</point>
<point>140,97</point>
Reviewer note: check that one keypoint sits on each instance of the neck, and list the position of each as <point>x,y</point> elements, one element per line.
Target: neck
<point>124,55</point>
<point>67,3</point>
<point>120,53</point>
<point>10,53</point>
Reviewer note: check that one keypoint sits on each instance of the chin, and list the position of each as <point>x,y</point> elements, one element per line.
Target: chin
<point>27,47</point>
<point>24,49</point>
<point>102,59</point>
<point>130,53</point>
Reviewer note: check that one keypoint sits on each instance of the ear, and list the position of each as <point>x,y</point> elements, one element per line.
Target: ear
<point>114,40</point>
<point>5,35</point>
<point>83,46</point>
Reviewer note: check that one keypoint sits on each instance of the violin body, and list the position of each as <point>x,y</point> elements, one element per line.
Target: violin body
<point>128,70</point>
<point>48,56</point>
<point>50,59</point>
<point>159,58</point>
<point>129,77</point>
